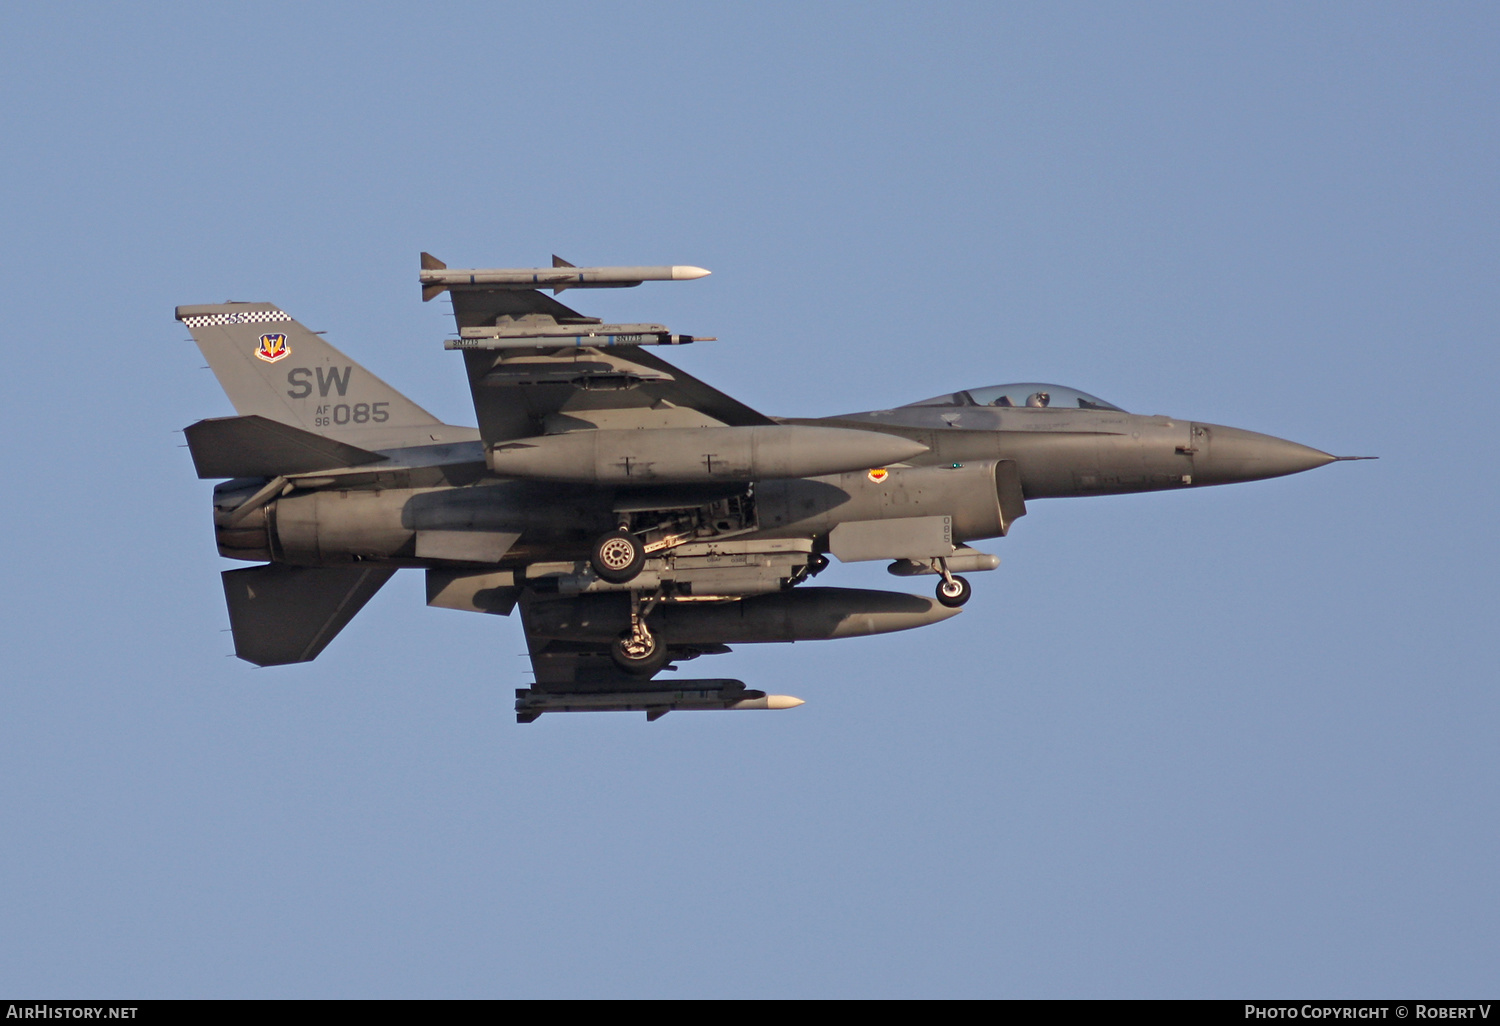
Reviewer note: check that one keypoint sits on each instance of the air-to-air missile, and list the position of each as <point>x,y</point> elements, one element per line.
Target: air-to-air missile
<point>654,700</point>
<point>436,276</point>
<point>565,277</point>
<point>592,336</point>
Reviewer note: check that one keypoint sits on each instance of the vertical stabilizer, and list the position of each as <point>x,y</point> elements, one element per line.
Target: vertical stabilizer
<point>273,367</point>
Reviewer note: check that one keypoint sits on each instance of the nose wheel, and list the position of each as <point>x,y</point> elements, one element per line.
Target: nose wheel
<point>952,591</point>
<point>617,557</point>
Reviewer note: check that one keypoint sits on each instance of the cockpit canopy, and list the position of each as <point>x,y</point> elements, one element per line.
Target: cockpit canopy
<point>1032,394</point>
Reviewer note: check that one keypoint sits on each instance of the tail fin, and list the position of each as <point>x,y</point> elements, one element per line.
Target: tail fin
<point>273,367</point>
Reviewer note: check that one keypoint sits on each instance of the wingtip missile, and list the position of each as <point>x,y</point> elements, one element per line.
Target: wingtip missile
<point>436,276</point>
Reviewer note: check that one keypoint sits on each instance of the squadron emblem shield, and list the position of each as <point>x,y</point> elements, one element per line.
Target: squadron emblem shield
<point>273,347</point>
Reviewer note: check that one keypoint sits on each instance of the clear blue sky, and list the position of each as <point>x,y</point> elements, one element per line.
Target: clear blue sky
<point>1239,741</point>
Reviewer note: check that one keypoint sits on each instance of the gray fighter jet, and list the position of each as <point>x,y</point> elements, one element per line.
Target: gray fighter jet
<point>635,515</point>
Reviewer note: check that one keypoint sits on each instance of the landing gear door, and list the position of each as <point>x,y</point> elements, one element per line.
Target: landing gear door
<point>1200,440</point>
<point>1008,492</point>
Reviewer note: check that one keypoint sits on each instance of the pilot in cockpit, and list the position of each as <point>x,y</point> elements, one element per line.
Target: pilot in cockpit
<point>1034,394</point>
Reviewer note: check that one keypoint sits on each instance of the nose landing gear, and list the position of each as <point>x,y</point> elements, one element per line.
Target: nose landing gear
<point>952,591</point>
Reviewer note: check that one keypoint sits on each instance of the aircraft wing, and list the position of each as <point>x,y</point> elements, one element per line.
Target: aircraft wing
<point>543,387</point>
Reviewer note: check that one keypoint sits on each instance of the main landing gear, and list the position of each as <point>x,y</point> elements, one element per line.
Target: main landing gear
<point>637,651</point>
<point>617,557</point>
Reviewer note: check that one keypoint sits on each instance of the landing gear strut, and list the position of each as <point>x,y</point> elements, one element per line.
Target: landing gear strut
<point>952,591</point>
<point>637,651</point>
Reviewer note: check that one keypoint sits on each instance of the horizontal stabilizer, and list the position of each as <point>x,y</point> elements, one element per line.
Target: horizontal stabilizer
<point>254,446</point>
<point>288,614</point>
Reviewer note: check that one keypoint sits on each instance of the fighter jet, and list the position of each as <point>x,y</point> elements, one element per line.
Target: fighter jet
<point>637,517</point>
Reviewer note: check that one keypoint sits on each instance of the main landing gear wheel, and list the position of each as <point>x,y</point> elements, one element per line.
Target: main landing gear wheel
<point>953,591</point>
<point>639,654</point>
<point>617,557</point>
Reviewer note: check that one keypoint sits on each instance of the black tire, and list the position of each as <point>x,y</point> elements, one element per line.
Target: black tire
<point>954,597</point>
<point>639,664</point>
<point>617,557</point>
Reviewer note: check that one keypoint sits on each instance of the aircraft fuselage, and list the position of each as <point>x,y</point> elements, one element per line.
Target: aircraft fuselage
<point>1061,452</point>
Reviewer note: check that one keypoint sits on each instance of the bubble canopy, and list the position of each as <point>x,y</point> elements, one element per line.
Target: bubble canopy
<point>1033,394</point>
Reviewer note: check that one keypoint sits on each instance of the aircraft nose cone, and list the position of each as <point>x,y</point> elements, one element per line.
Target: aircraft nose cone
<point>1227,454</point>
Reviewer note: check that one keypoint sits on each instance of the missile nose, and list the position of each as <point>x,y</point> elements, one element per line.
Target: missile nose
<point>688,273</point>
<point>783,702</point>
<point>1226,454</point>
